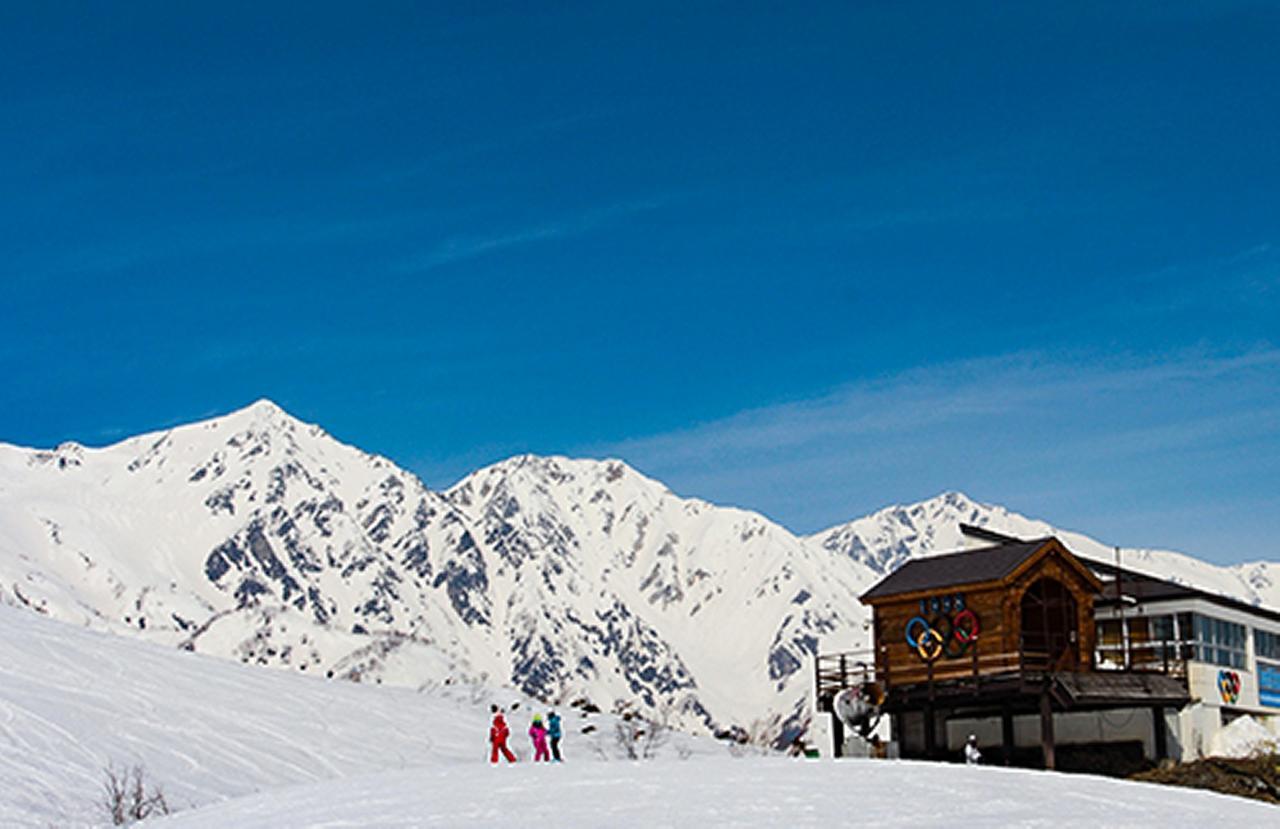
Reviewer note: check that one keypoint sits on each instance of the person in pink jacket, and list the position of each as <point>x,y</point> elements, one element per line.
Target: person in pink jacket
<point>539,735</point>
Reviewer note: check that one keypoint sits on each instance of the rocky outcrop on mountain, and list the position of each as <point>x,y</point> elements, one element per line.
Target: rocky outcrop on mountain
<point>259,538</point>
<point>256,537</point>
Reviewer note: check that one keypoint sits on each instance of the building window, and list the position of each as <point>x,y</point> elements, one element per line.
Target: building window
<point>1162,629</point>
<point>1219,642</point>
<point>1186,628</point>
<point>1143,642</point>
<point>1110,643</point>
<point>1266,644</point>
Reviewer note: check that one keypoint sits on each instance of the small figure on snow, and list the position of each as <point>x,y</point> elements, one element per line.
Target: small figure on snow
<point>971,754</point>
<point>498,733</point>
<point>553,731</point>
<point>539,735</point>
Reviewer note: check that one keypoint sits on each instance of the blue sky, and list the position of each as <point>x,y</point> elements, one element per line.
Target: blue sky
<point>809,263</point>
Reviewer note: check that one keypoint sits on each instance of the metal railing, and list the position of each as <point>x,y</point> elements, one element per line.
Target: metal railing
<point>836,671</point>
<point>833,672</point>
<point>1145,657</point>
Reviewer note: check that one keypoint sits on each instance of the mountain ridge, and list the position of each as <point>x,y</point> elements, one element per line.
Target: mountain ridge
<point>258,537</point>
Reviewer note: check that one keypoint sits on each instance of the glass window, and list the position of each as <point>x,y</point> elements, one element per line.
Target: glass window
<point>1162,628</point>
<point>1109,634</point>
<point>1266,644</point>
<point>1219,642</point>
<point>1110,644</point>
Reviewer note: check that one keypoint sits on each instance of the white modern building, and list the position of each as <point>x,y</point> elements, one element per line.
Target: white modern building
<point>1227,651</point>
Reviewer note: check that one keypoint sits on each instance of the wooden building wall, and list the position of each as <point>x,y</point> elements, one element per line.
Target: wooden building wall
<point>998,608</point>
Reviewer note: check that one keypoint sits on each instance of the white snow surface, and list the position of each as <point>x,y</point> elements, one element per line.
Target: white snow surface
<point>258,538</point>
<point>1244,737</point>
<point>238,746</point>
<point>73,701</point>
<point>724,792</point>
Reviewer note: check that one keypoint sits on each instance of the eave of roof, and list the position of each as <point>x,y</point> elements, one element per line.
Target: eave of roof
<point>1148,589</point>
<point>950,571</point>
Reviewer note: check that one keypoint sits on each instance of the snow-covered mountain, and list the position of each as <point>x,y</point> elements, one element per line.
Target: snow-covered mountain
<point>711,607</point>
<point>256,537</point>
<point>886,539</point>
<point>259,538</point>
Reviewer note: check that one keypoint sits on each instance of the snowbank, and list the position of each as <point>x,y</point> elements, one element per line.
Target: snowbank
<point>1244,737</point>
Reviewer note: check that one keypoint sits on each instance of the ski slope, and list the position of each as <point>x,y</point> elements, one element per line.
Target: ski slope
<point>234,745</point>
<point>73,700</point>
<point>744,794</point>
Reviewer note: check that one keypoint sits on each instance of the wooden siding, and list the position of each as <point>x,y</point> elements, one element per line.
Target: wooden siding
<point>998,607</point>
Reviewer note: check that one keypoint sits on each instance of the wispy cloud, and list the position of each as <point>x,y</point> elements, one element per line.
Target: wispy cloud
<point>1071,440</point>
<point>922,398</point>
<point>470,247</point>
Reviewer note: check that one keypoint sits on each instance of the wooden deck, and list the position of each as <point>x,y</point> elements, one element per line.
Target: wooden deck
<point>977,678</point>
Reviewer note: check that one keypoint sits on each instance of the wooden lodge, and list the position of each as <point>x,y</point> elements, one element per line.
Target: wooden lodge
<point>1015,606</point>
<point>999,642</point>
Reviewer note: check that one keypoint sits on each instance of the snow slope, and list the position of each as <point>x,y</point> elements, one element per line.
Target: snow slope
<point>237,746</point>
<point>74,700</point>
<point>732,793</point>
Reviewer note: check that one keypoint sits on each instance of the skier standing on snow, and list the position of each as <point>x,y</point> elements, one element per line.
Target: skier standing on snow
<point>553,731</point>
<point>971,754</point>
<point>539,735</point>
<point>498,733</point>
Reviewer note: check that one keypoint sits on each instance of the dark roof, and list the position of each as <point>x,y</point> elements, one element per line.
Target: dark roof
<point>987,534</point>
<point>956,569</point>
<point>1144,588</point>
<point>1111,687</point>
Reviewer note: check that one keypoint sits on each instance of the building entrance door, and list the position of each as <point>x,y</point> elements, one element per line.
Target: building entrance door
<point>1049,625</point>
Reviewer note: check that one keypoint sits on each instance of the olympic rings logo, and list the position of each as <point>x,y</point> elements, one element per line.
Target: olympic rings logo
<point>1229,686</point>
<point>943,635</point>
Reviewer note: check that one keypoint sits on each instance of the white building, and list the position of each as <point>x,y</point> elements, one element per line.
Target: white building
<point>1227,651</point>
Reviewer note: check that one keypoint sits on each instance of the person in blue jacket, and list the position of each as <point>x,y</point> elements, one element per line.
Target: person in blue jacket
<point>553,731</point>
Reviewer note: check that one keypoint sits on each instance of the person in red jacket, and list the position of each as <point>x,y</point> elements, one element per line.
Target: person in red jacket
<point>498,733</point>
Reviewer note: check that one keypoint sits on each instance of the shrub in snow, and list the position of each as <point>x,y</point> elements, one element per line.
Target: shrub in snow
<point>128,796</point>
<point>638,738</point>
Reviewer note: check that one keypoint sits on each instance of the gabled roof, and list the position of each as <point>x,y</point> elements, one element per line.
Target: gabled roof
<point>949,570</point>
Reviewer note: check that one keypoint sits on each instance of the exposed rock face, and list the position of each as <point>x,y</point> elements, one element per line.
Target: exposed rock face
<point>260,538</point>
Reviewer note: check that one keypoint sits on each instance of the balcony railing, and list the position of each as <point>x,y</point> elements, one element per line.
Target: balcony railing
<point>1145,657</point>
<point>837,671</point>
